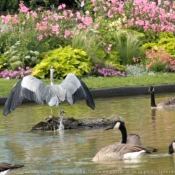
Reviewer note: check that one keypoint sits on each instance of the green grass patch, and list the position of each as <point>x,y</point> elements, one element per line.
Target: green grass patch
<point>103,82</point>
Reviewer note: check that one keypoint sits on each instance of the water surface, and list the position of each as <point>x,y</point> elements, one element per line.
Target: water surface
<point>71,151</point>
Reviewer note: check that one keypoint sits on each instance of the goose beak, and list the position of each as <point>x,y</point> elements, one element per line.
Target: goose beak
<point>108,127</point>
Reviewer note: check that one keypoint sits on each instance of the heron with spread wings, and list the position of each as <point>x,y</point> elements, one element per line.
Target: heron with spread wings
<point>71,89</point>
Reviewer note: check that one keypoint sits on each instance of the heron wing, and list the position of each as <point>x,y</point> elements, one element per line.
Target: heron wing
<point>77,89</point>
<point>30,88</point>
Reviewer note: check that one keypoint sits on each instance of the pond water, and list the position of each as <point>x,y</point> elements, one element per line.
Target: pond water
<point>71,151</point>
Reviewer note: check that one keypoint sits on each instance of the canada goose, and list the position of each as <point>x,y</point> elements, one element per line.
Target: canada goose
<point>5,167</point>
<point>122,150</point>
<point>172,147</point>
<point>169,103</point>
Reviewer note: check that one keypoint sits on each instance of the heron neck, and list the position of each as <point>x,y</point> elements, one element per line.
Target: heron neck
<point>51,77</point>
<point>124,134</point>
<point>153,104</point>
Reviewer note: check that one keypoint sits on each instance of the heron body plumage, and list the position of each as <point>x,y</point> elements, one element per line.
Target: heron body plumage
<point>31,88</point>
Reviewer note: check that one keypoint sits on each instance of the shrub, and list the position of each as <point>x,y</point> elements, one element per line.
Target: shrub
<point>90,43</point>
<point>18,55</point>
<point>65,60</point>
<point>107,70</point>
<point>159,60</point>
<point>127,44</point>
<point>136,70</point>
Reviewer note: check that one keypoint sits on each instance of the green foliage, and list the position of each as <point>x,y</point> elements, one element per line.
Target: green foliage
<point>90,43</point>
<point>159,60</point>
<point>65,60</point>
<point>16,56</point>
<point>127,44</point>
<point>137,70</point>
<point>2,4</point>
<point>166,40</point>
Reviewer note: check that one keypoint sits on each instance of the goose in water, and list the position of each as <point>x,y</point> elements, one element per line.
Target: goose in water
<point>169,103</point>
<point>71,89</point>
<point>121,150</point>
<point>6,167</point>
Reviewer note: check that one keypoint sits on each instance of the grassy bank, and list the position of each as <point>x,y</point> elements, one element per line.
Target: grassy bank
<point>104,82</point>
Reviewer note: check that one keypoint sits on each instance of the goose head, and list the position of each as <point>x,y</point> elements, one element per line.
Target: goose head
<point>121,126</point>
<point>172,147</point>
<point>151,89</point>
<point>115,125</point>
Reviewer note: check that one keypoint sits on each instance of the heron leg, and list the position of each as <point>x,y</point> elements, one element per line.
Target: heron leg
<point>51,111</point>
<point>61,126</point>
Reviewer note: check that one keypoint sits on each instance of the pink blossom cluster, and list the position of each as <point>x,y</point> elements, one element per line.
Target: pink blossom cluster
<point>107,70</point>
<point>159,56</point>
<point>16,74</point>
<point>142,15</point>
<point>48,23</point>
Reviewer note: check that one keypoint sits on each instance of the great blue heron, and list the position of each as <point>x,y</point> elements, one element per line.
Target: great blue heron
<point>5,167</point>
<point>71,89</point>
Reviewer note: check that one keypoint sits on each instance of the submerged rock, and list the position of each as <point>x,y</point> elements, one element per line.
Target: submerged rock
<point>52,123</point>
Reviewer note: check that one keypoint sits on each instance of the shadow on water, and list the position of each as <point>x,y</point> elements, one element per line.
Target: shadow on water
<point>71,151</point>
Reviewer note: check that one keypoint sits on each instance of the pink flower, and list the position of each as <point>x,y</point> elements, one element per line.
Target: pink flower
<point>48,12</point>
<point>104,44</point>
<point>67,33</point>
<point>65,13</point>
<point>166,2</point>
<point>40,37</point>
<point>59,7</point>
<point>81,26</point>
<point>64,6</point>
<point>24,9</point>
<point>82,4</point>
<point>78,15</point>
<point>6,19</point>
<point>87,12</point>
<point>96,26</point>
<point>87,20</point>
<point>55,28</point>
<point>39,8</point>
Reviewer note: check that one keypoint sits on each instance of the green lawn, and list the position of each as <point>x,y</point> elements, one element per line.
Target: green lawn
<point>104,82</point>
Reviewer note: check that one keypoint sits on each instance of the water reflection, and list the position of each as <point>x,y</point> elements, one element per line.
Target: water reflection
<point>71,151</point>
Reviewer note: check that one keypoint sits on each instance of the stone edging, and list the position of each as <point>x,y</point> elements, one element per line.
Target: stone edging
<point>121,91</point>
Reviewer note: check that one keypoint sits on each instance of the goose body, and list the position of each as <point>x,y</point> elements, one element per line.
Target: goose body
<point>127,149</point>
<point>6,167</point>
<point>169,103</point>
